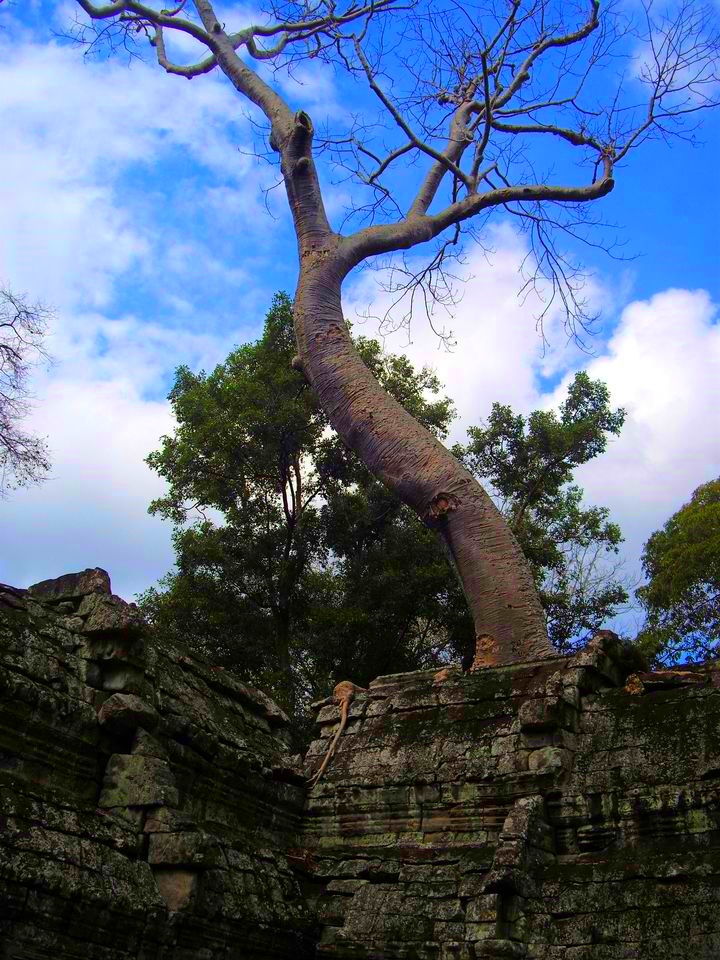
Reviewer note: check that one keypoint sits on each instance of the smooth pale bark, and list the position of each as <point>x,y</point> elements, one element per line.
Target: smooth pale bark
<point>509,620</point>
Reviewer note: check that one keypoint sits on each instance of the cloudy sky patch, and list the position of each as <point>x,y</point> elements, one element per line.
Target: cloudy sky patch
<point>132,203</point>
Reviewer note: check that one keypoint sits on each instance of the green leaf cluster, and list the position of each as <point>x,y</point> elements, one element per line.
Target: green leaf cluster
<point>528,464</point>
<point>682,595</point>
<point>296,568</point>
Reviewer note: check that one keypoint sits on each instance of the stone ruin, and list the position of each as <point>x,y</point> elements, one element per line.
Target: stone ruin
<point>150,806</point>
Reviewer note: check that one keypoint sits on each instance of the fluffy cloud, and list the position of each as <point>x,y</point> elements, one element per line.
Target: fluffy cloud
<point>661,363</point>
<point>109,210</point>
<point>92,511</point>
<point>495,349</point>
<point>82,227</point>
<point>100,171</point>
<point>94,407</point>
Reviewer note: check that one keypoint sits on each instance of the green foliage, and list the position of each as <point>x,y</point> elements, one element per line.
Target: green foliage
<point>238,448</point>
<point>295,567</point>
<point>682,596</point>
<point>396,601</point>
<point>528,464</point>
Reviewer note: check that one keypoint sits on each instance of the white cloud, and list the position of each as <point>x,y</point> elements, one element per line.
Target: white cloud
<point>311,84</point>
<point>76,224</point>
<point>661,363</point>
<point>94,409</point>
<point>498,352</point>
<point>93,509</point>
<point>71,221</point>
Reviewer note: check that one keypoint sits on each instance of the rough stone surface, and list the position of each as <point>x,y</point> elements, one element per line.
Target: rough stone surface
<point>567,809</point>
<point>104,614</point>
<point>72,585</point>
<point>124,713</point>
<point>140,811</point>
<point>534,811</point>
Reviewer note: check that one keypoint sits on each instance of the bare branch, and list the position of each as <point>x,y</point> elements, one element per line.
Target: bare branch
<point>444,159</point>
<point>465,90</point>
<point>189,71</point>
<point>24,458</point>
<point>129,10</point>
<point>401,236</point>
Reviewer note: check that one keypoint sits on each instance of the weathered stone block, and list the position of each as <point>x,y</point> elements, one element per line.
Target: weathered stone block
<point>167,820</point>
<point>124,712</point>
<point>183,849</point>
<point>91,581</point>
<point>502,950</point>
<point>546,713</point>
<point>134,781</point>
<point>177,887</point>
<point>123,677</point>
<point>109,614</point>
<point>549,759</point>
<point>345,887</point>
<point>145,745</point>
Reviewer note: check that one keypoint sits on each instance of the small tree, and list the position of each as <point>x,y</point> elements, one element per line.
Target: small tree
<point>682,596</point>
<point>24,458</point>
<point>474,99</point>
<point>528,464</point>
<point>286,546</point>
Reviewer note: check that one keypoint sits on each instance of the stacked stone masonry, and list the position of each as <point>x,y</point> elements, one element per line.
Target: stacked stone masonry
<point>147,801</point>
<point>150,806</point>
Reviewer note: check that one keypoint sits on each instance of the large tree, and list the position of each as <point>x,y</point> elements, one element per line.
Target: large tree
<point>296,567</point>
<point>682,595</point>
<point>473,99</point>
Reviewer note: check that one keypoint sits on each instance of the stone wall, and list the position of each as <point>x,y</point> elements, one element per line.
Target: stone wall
<point>150,807</point>
<point>147,801</point>
<point>540,811</point>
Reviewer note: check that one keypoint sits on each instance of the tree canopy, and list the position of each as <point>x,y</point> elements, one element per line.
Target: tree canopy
<point>682,595</point>
<point>297,568</point>
<point>294,564</point>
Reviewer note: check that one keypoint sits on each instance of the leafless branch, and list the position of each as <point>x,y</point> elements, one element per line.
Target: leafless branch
<point>23,457</point>
<point>477,102</point>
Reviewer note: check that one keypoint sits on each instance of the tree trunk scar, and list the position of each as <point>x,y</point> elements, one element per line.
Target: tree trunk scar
<point>303,128</point>
<point>297,364</point>
<point>485,652</point>
<point>441,505</point>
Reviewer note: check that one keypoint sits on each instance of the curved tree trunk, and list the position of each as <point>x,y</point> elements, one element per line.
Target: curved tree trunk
<point>509,621</point>
<point>508,618</point>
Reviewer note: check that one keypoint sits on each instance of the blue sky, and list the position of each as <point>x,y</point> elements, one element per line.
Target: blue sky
<point>130,202</point>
